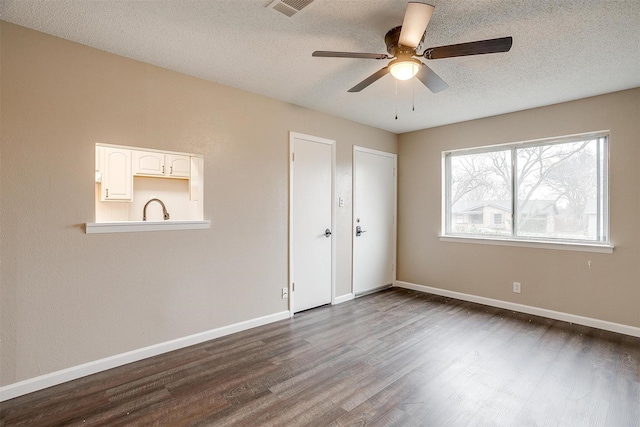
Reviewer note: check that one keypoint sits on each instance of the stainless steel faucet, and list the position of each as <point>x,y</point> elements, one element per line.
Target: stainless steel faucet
<point>164,209</point>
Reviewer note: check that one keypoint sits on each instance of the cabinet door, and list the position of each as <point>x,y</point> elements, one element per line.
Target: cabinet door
<point>148,163</point>
<point>117,178</point>
<point>179,165</point>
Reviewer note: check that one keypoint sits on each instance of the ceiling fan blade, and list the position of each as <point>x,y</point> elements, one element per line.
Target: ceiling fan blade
<point>330,54</point>
<point>472,48</point>
<point>372,78</point>
<point>430,79</point>
<point>416,19</point>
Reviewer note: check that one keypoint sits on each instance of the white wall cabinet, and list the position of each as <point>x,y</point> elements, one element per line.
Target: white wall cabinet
<point>117,180</point>
<point>179,165</point>
<point>155,163</point>
<point>148,163</point>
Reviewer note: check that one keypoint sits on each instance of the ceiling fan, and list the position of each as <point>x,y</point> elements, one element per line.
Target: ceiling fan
<point>404,43</point>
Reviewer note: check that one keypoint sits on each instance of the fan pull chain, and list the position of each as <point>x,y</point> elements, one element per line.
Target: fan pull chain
<point>396,99</point>
<point>413,94</point>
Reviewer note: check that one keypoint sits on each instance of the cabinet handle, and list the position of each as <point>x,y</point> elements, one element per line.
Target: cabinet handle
<point>170,170</point>
<point>162,169</point>
<point>107,195</point>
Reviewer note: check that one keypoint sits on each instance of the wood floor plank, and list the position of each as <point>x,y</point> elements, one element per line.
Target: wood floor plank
<point>467,371</point>
<point>519,377</point>
<point>396,357</point>
<point>550,398</point>
<point>593,389</point>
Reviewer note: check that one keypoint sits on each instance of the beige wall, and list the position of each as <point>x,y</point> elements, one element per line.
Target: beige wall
<point>551,279</point>
<point>67,297</point>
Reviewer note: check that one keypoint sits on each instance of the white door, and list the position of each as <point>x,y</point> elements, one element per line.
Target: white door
<point>311,244</point>
<point>374,211</point>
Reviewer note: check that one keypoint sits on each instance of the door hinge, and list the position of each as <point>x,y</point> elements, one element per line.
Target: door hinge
<point>293,286</point>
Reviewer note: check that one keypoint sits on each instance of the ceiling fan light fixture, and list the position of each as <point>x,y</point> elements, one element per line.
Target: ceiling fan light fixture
<point>404,69</point>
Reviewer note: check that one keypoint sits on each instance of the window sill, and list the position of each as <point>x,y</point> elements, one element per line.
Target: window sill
<point>137,226</point>
<point>562,246</point>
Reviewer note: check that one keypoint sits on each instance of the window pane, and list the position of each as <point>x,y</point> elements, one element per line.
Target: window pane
<point>557,191</point>
<point>479,194</point>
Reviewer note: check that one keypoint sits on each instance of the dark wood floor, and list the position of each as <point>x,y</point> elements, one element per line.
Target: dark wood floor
<point>396,357</point>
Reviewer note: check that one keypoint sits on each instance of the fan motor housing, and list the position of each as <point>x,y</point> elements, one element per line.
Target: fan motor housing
<point>391,40</point>
<point>395,49</point>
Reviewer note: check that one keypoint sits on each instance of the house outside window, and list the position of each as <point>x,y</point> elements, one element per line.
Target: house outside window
<point>550,190</point>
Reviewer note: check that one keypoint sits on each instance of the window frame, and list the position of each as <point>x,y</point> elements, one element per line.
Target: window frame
<point>603,244</point>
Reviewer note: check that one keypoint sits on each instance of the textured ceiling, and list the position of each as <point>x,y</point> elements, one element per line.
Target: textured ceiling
<point>562,50</point>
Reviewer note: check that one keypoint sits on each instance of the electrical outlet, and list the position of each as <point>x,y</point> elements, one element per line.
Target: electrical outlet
<point>285,293</point>
<point>516,287</point>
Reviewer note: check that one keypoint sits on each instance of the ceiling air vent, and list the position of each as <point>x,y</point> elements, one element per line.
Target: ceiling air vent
<point>289,7</point>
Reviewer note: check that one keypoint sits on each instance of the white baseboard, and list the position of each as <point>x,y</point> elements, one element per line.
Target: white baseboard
<point>342,298</point>
<point>543,312</point>
<point>54,378</point>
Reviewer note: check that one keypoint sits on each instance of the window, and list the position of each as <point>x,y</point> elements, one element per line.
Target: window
<point>551,190</point>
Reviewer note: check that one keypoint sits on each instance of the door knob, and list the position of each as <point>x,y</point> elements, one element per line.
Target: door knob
<point>327,233</point>
<point>359,231</point>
